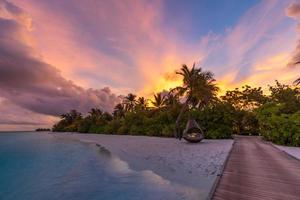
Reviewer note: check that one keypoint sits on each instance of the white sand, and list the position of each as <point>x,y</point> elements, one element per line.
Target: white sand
<point>293,151</point>
<point>195,165</point>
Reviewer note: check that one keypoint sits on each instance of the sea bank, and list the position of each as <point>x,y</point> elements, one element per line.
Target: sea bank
<point>187,164</point>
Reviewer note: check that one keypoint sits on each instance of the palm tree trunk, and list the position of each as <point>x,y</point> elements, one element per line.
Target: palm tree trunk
<point>177,133</point>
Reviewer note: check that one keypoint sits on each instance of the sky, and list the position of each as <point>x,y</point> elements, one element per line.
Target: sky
<point>60,55</point>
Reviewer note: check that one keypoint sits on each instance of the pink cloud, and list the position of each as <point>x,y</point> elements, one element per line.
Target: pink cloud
<point>14,117</point>
<point>293,10</point>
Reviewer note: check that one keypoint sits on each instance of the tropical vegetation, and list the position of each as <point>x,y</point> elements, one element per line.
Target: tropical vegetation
<point>244,111</point>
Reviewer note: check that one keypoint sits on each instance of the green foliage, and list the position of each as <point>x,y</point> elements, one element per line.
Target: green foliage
<point>216,121</point>
<point>112,127</point>
<point>245,123</point>
<point>84,125</point>
<point>279,127</point>
<point>243,103</point>
<point>286,95</point>
<point>198,86</point>
<point>69,122</point>
<point>246,99</point>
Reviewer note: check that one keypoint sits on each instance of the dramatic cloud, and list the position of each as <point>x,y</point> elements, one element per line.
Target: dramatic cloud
<point>14,117</point>
<point>26,80</point>
<point>106,42</point>
<point>249,52</point>
<point>293,10</point>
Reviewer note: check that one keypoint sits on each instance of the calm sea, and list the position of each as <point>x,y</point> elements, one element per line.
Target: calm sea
<point>36,166</point>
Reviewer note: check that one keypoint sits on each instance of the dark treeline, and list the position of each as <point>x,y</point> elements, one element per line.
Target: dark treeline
<point>243,111</point>
<point>43,129</point>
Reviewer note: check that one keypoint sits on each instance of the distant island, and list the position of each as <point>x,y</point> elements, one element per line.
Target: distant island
<point>43,129</point>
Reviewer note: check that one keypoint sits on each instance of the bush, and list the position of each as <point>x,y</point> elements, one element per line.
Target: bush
<point>168,130</point>
<point>246,123</point>
<point>283,129</point>
<point>221,132</point>
<point>84,127</point>
<point>112,127</point>
<point>216,121</point>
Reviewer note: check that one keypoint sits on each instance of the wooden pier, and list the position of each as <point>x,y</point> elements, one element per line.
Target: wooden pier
<point>257,170</point>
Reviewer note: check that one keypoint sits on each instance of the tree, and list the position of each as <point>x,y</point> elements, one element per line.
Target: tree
<point>69,121</point>
<point>130,102</point>
<point>285,94</point>
<point>171,100</point>
<point>278,127</point>
<point>71,116</point>
<point>297,82</point>
<point>119,111</point>
<point>243,103</point>
<point>95,114</point>
<point>247,99</point>
<point>198,88</point>
<point>159,100</point>
<point>142,103</point>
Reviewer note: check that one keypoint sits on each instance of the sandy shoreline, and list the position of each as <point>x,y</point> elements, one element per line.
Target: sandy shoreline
<point>293,151</point>
<point>187,164</point>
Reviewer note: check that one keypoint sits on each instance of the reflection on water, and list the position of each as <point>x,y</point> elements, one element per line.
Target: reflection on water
<point>37,167</point>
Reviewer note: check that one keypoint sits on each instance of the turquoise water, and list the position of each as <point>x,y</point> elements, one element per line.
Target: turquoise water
<point>36,166</point>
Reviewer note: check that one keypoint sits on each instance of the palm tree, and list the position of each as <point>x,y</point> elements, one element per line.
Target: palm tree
<point>119,111</point>
<point>71,116</point>
<point>171,99</point>
<point>142,103</point>
<point>297,82</point>
<point>95,114</point>
<point>106,116</point>
<point>198,88</point>
<point>130,102</point>
<point>159,100</point>
<point>95,111</point>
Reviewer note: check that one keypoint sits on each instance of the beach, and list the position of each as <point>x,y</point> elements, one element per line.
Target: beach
<point>292,151</point>
<point>196,165</point>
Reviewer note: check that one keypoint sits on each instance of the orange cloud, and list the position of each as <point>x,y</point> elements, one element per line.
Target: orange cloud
<point>274,62</point>
<point>264,73</point>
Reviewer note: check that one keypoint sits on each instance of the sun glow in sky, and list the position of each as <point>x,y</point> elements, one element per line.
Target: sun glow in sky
<point>57,55</point>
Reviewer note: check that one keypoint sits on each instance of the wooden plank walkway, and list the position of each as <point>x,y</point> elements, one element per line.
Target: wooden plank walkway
<point>257,170</point>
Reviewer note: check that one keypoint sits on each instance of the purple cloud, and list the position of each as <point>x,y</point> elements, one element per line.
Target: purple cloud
<point>27,81</point>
